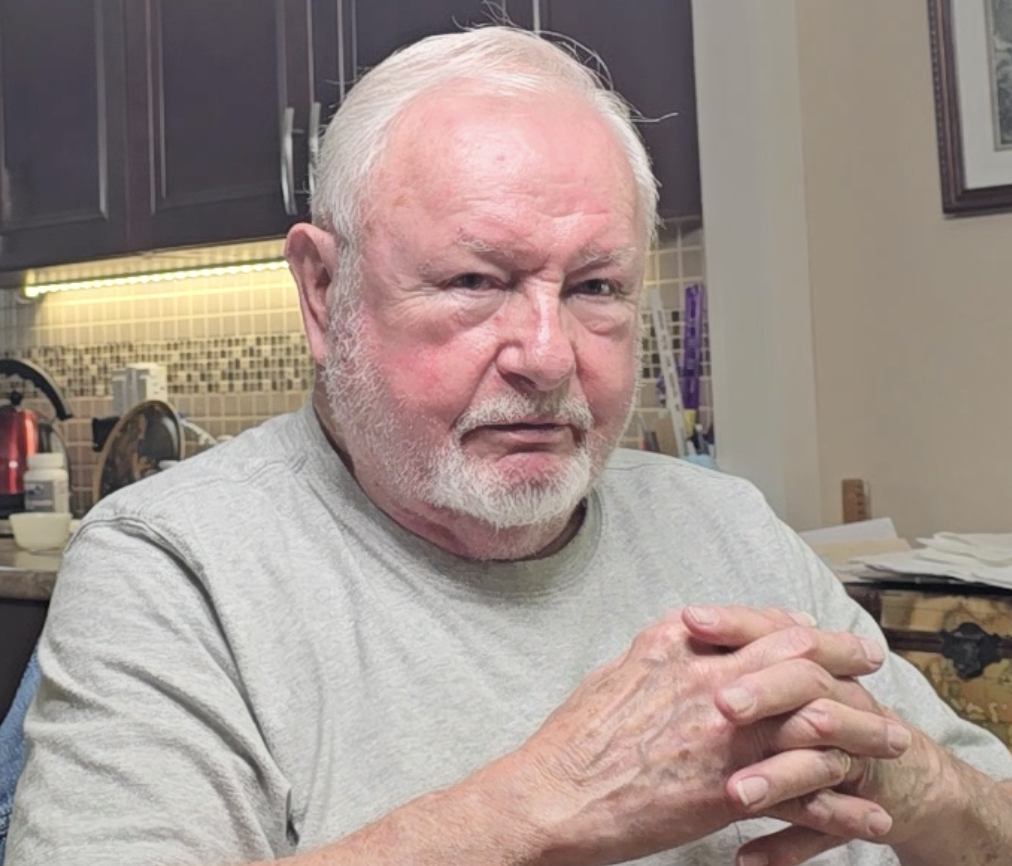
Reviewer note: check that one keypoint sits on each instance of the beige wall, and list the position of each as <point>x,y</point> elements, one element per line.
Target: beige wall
<point>751,165</point>
<point>912,313</point>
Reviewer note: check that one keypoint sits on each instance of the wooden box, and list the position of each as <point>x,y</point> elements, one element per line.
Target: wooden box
<point>959,637</point>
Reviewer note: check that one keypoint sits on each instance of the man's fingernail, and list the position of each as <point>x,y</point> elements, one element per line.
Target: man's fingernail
<point>753,860</point>
<point>873,652</point>
<point>899,738</point>
<point>752,790</point>
<point>879,823</point>
<point>738,699</point>
<point>702,615</point>
<point>801,617</point>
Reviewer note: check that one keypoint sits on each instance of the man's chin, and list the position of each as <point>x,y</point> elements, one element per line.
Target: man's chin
<point>519,492</point>
<point>530,468</point>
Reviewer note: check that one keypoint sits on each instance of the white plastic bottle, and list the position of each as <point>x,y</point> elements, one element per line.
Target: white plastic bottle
<point>47,485</point>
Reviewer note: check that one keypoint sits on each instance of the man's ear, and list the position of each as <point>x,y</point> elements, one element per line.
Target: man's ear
<point>312,258</point>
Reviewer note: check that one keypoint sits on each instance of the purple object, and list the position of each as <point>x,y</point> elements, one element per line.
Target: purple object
<point>692,344</point>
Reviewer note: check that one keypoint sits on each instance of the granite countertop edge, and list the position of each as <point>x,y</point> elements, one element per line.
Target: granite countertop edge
<point>26,585</point>
<point>26,576</point>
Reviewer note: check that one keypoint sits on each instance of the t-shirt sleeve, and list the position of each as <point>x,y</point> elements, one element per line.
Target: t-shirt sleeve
<point>898,684</point>
<point>141,747</point>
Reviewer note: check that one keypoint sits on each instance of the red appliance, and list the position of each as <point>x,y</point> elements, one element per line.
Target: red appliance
<point>24,432</point>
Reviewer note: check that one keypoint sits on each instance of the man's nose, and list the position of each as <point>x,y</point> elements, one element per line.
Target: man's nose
<point>539,341</point>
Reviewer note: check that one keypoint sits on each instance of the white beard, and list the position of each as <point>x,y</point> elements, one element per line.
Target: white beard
<point>506,500</point>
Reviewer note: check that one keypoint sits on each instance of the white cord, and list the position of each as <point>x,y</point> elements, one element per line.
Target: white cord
<point>203,437</point>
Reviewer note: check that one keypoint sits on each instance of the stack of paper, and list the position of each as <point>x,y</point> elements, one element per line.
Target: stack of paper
<point>838,545</point>
<point>970,557</point>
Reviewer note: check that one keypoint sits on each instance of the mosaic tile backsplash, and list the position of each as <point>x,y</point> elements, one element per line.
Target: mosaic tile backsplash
<point>233,345</point>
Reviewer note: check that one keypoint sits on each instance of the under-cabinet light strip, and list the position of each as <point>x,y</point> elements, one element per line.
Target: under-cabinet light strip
<point>35,290</point>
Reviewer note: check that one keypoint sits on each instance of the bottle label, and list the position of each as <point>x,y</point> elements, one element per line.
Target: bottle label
<point>47,496</point>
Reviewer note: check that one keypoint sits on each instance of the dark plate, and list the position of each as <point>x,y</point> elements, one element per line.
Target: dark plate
<point>148,433</point>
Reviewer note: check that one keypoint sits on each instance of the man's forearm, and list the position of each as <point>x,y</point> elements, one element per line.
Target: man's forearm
<point>478,822</point>
<point>974,827</point>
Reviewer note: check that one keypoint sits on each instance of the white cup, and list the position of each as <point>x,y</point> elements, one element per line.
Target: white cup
<point>40,530</point>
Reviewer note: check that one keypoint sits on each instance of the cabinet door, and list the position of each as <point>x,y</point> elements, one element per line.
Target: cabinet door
<point>328,82</point>
<point>349,37</point>
<point>218,102</point>
<point>647,47</point>
<point>62,131</point>
<point>379,27</point>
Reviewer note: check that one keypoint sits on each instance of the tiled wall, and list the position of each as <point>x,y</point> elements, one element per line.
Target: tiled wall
<point>677,262</point>
<point>232,344</point>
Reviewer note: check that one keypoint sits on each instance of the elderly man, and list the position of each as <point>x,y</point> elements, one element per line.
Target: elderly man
<point>436,617</point>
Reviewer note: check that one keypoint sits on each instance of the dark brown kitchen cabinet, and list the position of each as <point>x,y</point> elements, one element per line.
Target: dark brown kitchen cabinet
<point>217,97</point>
<point>130,125</point>
<point>349,37</point>
<point>62,131</point>
<point>379,27</point>
<point>647,48</point>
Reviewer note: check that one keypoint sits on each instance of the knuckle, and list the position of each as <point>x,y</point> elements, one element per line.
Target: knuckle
<point>855,695</point>
<point>802,643</point>
<point>831,815</point>
<point>816,808</point>
<point>659,642</point>
<point>838,765</point>
<point>816,721</point>
<point>816,675</point>
<point>775,615</point>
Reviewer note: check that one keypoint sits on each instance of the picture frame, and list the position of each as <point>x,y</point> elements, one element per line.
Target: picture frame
<point>972,72</point>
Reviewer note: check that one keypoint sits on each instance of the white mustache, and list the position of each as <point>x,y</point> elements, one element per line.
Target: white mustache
<point>519,409</point>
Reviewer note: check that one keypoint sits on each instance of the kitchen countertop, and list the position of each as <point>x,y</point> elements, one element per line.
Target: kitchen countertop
<point>25,575</point>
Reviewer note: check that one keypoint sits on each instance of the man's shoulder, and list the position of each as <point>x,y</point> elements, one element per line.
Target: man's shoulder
<point>648,473</point>
<point>650,494</point>
<point>231,474</point>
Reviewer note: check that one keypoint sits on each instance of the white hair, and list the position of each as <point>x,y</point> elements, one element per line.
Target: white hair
<point>495,60</point>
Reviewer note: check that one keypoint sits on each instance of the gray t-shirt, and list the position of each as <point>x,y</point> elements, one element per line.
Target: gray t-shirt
<point>245,659</point>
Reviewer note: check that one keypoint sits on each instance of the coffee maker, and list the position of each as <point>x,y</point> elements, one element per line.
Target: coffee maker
<point>24,432</point>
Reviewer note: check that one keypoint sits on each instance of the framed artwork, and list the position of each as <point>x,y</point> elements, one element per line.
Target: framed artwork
<point>971,47</point>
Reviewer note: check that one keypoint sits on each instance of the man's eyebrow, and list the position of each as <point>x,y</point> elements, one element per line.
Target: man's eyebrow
<point>594,257</point>
<point>475,244</point>
<point>591,256</point>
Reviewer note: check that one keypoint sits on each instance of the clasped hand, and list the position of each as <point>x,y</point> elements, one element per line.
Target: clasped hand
<point>712,715</point>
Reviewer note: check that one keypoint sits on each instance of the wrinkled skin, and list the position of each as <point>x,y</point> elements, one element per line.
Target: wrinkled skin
<point>907,784</point>
<point>643,755</point>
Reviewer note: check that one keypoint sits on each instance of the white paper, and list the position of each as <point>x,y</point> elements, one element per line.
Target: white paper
<point>935,563</point>
<point>879,529</point>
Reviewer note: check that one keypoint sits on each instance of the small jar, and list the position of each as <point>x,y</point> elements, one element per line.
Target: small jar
<point>47,485</point>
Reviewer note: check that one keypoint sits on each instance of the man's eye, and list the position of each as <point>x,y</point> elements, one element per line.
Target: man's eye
<point>470,281</point>
<point>603,288</point>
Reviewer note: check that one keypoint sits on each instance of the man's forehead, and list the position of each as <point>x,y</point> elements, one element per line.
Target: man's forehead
<point>482,173</point>
<point>462,110</point>
<point>589,255</point>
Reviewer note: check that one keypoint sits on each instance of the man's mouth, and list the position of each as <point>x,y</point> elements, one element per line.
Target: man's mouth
<point>527,425</point>
<point>526,435</point>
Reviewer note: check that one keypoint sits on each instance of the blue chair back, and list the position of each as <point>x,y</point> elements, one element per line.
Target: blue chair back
<point>12,746</point>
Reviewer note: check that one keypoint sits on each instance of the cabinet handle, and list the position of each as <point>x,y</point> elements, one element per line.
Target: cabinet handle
<point>315,116</point>
<point>288,161</point>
